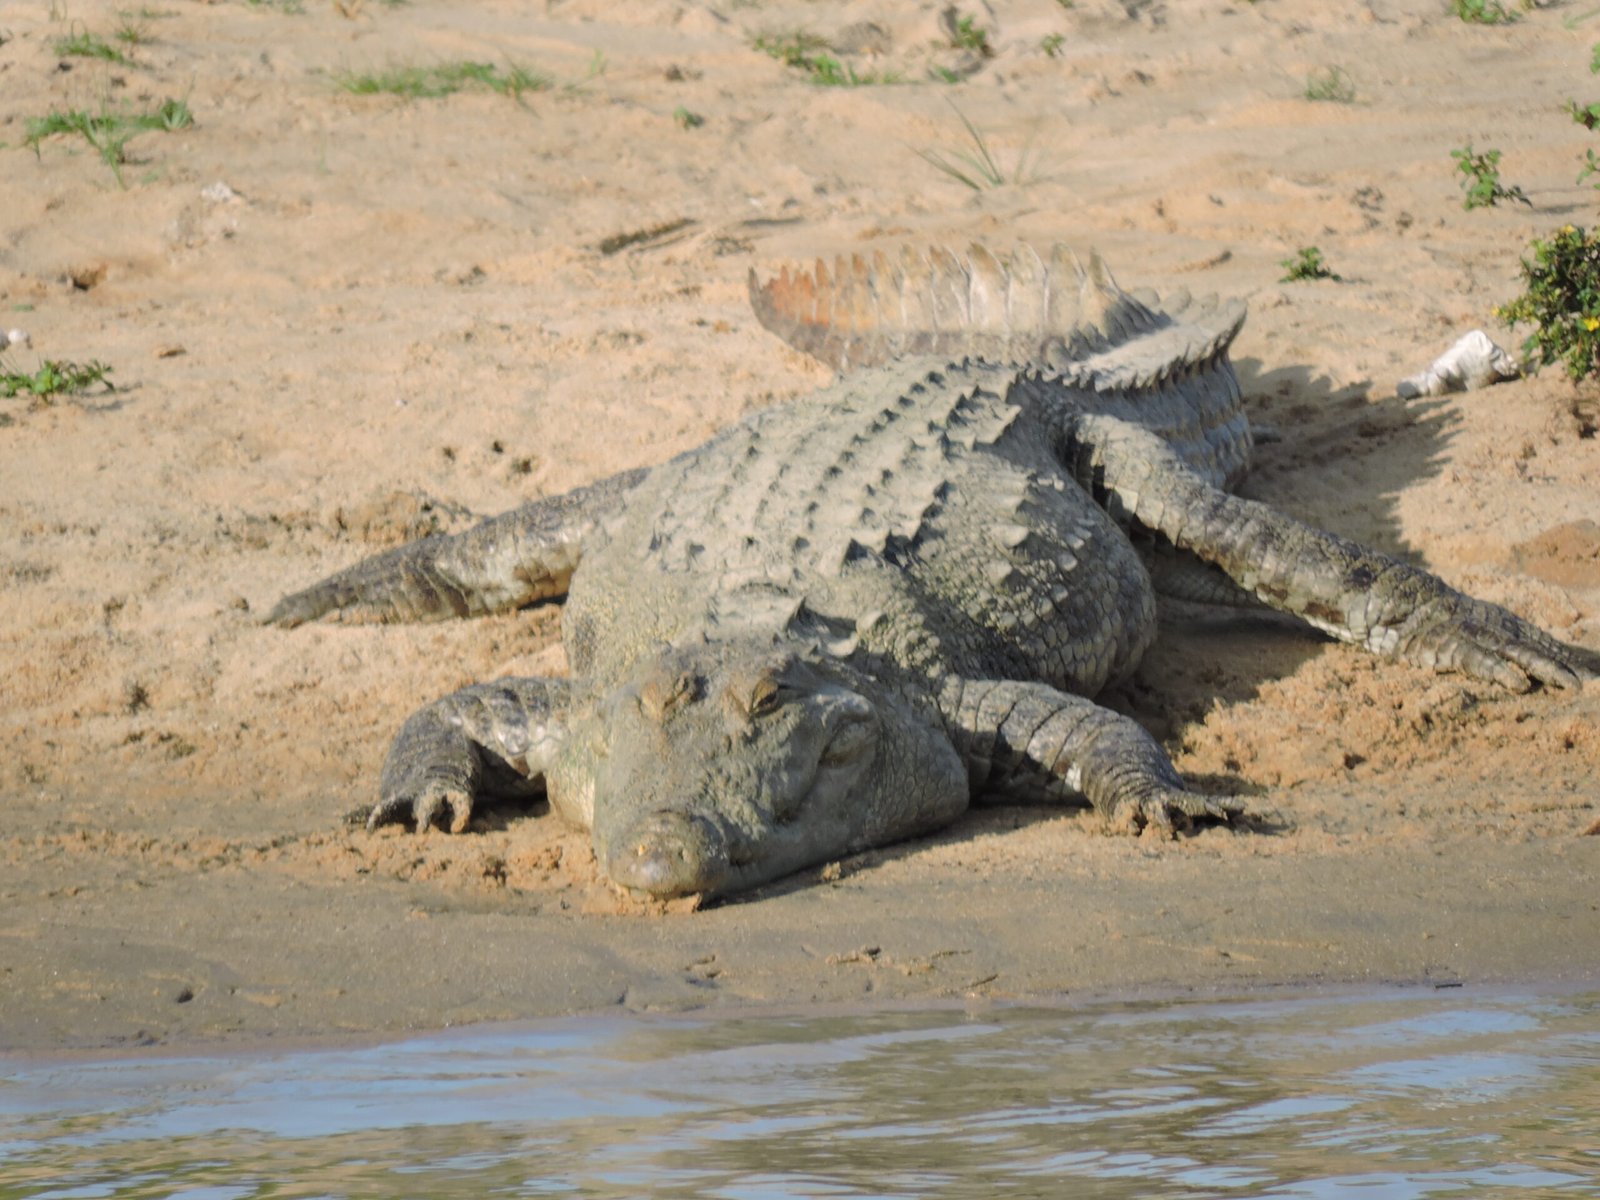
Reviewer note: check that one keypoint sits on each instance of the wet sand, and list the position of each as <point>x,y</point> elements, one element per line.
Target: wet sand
<point>397,317</point>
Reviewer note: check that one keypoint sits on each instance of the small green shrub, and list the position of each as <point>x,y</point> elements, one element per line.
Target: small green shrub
<point>1051,44</point>
<point>1307,263</point>
<point>1591,164</point>
<point>687,119</point>
<point>53,378</point>
<point>966,34</point>
<point>1483,12</point>
<point>804,51</point>
<point>1332,85</point>
<point>1562,302</point>
<point>1480,179</point>
<point>1587,115</point>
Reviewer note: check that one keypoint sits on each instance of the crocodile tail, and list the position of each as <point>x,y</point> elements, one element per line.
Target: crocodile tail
<point>865,311</point>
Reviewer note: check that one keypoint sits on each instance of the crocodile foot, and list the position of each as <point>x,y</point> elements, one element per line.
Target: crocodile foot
<point>1167,811</point>
<point>422,806</point>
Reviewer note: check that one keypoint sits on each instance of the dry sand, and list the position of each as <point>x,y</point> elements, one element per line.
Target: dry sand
<point>395,318</point>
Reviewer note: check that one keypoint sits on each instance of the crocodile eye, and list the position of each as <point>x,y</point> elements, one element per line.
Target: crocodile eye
<point>765,696</point>
<point>661,697</point>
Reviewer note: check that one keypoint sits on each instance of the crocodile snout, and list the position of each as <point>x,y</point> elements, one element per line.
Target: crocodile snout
<point>670,854</point>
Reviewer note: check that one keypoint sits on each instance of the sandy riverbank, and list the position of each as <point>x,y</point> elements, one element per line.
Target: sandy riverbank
<point>396,317</point>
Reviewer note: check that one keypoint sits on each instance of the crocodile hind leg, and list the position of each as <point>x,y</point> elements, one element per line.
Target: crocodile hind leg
<point>505,562</point>
<point>1029,741</point>
<point>1355,594</point>
<point>489,739</point>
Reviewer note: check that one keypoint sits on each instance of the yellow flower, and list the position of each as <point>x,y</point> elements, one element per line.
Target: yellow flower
<point>1591,323</point>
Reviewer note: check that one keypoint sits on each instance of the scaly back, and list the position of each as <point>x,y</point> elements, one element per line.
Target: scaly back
<point>1161,363</point>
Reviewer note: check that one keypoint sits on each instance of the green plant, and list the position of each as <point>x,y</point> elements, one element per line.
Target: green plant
<point>1307,263</point>
<point>1483,12</point>
<point>966,34</point>
<point>80,43</point>
<point>1591,164</point>
<point>445,79</point>
<point>803,51</point>
<point>1562,302</point>
<point>108,133</point>
<point>1051,44</point>
<point>130,32</point>
<point>597,68</point>
<point>1587,115</point>
<point>977,168</point>
<point>1333,84</point>
<point>52,378</point>
<point>1480,179</point>
<point>687,119</point>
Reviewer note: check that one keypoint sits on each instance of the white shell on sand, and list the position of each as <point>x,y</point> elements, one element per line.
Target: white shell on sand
<point>1473,362</point>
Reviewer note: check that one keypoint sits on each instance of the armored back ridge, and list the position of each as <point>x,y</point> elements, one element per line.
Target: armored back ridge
<point>1163,364</point>
<point>842,620</point>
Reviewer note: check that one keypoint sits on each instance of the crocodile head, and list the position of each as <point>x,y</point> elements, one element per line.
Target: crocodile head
<point>721,768</point>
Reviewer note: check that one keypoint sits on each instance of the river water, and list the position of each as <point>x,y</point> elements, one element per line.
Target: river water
<point>1377,1096</point>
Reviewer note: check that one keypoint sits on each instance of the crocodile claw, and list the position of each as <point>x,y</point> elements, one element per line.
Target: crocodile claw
<point>1170,810</point>
<point>423,807</point>
<point>1457,633</point>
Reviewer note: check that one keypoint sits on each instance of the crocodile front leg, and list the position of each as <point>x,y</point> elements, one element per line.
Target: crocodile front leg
<point>1030,741</point>
<point>507,561</point>
<point>497,738</point>
<point>1356,594</point>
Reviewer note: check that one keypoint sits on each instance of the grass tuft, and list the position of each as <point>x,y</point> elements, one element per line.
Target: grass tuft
<point>804,51</point>
<point>80,43</point>
<point>108,133</point>
<point>1306,264</point>
<point>1483,12</point>
<point>1333,85</point>
<point>977,167</point>
<point>445,79</point>
<point>965,33</point>
<point>53,378</point>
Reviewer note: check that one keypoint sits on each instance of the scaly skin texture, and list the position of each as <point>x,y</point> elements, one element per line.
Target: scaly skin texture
<point>841,621</point>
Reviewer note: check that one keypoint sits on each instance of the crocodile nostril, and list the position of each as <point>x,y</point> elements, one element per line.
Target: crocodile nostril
<point>669,854</point>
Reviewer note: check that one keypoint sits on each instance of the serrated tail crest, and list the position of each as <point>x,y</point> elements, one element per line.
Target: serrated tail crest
<point>1023,308</point>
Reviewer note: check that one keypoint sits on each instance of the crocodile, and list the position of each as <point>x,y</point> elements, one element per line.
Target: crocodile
<point>841,621</point>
